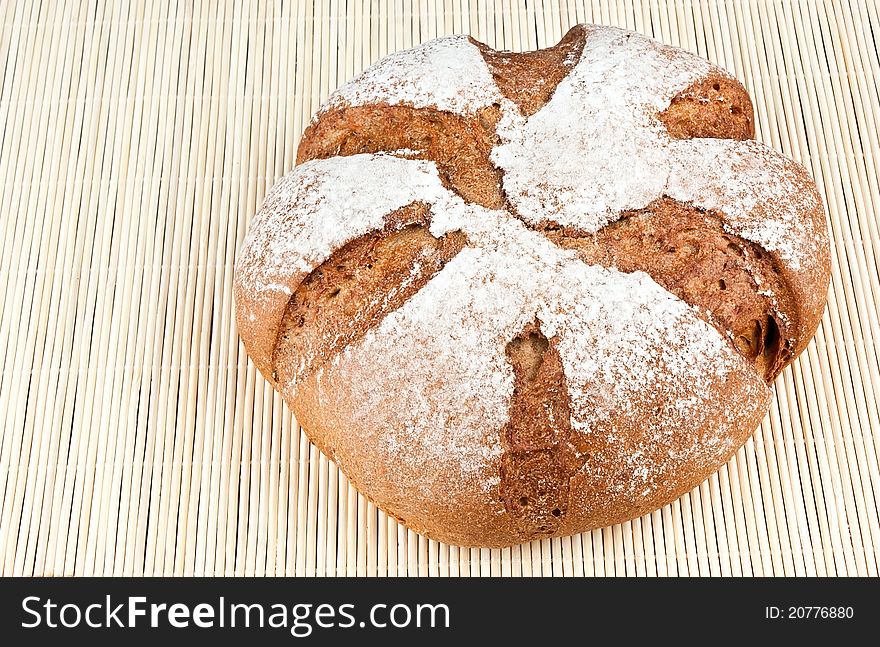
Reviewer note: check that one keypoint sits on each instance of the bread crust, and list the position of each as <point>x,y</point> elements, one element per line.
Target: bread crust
<point>487,373</point>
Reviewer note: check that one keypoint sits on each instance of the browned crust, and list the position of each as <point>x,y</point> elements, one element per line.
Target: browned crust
<point>541,453</point>
<point>594,505</point>
<point>529,79</point>
<point>688,252</point>
<point>537,453</point>
<point>356,288</point>
<point>460,146</point>
<point>590,494</point>
<point>717,106</point>
<point>808,283</point>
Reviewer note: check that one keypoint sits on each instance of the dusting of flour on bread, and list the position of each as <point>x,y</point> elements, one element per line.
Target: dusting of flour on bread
<point>764,197</point>
<point>592,151</point>
<point>597,149</point>
<point>322,205</point>
<point>441,315</point>
<point>445,73</point>
<point>439,382</point>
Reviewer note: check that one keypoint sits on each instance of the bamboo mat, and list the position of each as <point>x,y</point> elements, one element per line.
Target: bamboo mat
<point>136,142</point>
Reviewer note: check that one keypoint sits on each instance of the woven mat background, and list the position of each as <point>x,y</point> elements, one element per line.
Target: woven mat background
<point>136,141</point>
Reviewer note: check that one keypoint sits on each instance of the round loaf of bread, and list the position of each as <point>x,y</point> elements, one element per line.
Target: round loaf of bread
<point>523,295</point>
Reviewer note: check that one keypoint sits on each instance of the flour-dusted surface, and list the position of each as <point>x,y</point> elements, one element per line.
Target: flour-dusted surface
<point>444,73</point>
<point>323,204</point>
<point>414,408</point>
<point>313,211</point>
<point>764,197</point>
<point>594,151</point>
<point>426,392</point>
<point>597,149</point>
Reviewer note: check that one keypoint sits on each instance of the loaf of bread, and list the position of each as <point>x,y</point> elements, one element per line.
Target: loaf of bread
<point>523,295</point>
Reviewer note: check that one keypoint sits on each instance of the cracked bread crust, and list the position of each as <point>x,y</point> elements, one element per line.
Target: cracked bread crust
<point>489,376</point>
<point>687,251</point>
<point>357,286</point>
<point>541,450</point>
<point>458,145</point>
